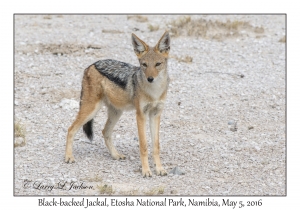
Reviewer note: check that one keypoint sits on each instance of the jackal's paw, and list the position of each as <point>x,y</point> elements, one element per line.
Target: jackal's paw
<point>146,173</point>
<point>69,158</point>
<point>118,156</point>
<point>161,171</point>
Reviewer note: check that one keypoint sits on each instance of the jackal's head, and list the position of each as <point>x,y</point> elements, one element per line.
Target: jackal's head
<point>153,60</point>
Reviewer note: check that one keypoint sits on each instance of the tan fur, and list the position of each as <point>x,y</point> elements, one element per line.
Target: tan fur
<point>146,97</point>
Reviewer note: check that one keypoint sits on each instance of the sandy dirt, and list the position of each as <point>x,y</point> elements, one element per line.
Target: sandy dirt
<point>223,124</point>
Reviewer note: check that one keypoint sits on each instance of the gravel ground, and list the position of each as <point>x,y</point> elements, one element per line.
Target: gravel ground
<point>223,124</point>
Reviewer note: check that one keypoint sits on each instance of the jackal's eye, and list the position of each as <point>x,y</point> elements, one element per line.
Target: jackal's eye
<point>157,64</point>
<point>144,64</point>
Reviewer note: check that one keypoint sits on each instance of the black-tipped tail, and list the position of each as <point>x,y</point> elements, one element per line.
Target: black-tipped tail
<point>88,129</point>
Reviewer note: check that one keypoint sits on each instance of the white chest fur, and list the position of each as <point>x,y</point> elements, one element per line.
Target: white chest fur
<point>155,91</point>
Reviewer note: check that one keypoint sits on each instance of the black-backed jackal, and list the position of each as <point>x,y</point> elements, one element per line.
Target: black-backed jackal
<point>122,86</point>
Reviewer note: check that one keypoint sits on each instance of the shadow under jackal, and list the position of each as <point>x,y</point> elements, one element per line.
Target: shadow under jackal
<point>122,86</point>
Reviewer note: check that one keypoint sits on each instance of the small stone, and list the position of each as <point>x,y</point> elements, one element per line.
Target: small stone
<point>55,107</point>
<point>250,127</point>
<point>253,159</point>
<point>232,125</point>
<point>215,169</point>
<point>138,169</point>
<point>173,192</point>
<point>226,192</point>
<point>51,180</point>
<point>135,138</point>
<point>131,158</point>
<point>231,122</point>
<point>19,142</point>
<point>68,104</point>
<point>177,171</point>
<point>233,129</point>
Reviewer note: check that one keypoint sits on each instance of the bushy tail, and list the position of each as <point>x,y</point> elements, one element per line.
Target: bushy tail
<point>88,129</point>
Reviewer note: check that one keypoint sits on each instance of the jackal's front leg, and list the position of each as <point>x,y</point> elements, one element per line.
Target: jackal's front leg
<point>141,122</point>
<point>154,119</point>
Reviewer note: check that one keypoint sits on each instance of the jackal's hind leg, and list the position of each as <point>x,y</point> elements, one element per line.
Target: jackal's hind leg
<point>86,113</point>
<point>113,117</point>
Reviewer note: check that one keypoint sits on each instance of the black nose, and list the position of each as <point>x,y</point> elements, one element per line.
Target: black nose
<point>150,79</point>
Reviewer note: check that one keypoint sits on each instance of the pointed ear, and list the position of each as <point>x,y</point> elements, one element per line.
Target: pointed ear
<point>140,47</point>
<point>163,46</point>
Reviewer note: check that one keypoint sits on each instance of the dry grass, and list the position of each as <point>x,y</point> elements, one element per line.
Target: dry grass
<point>155,191</point>
<point>129,192</point>
<point>105,189</point>
<point>58,95</point>
<point>185,59</point>
<point>19,130</point>
<point>153,27</point>
<point>111,31</point>
<point>181,21</point>
<point>215,29</point>
<point>259,30</point>
<point>20,139</point>
<point>283,39</point>
<point>138,18</point>
<point>47,17</point>
<point>161,190</point>
<point>62,49</point>
<point>259,36</point>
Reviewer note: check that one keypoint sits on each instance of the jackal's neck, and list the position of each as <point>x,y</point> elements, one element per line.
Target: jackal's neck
<point>156,88</point>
